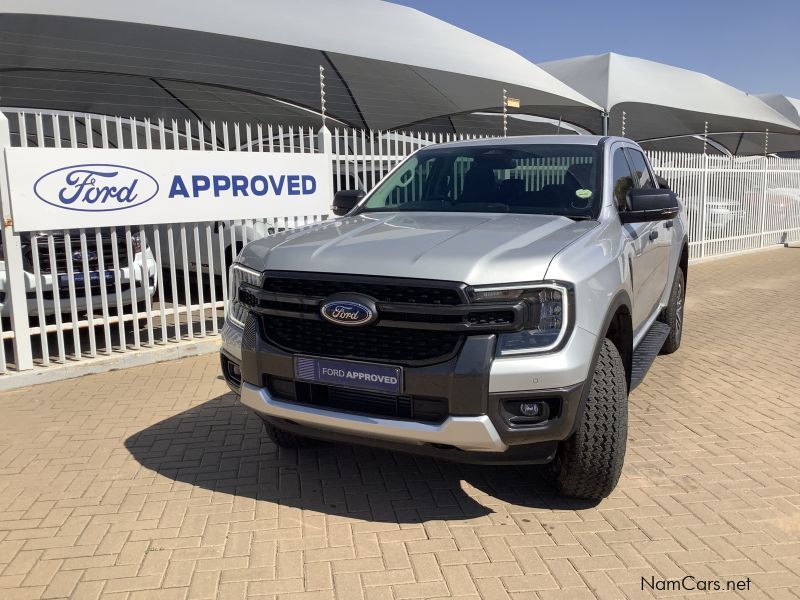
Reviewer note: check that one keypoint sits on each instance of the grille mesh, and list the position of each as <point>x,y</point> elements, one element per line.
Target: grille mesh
<point>318,288</point>
<point>106,249</point>
<point>249,336</point>
<point>431,410</point>
<point>388,344</point>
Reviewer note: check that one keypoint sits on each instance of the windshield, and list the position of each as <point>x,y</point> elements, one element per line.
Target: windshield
<point>541,179</point>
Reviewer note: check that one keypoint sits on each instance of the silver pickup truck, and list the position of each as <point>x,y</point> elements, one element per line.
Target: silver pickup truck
<point>489,301</point>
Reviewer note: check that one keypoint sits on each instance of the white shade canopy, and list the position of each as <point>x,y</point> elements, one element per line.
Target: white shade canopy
<point>386,66</point>
<point>651,100</point>
<point>762,142</point>
<point>788,107</point>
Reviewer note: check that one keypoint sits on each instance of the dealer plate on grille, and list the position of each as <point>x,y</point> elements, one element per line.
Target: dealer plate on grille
<point>348,373</point>
<point>80,279</point>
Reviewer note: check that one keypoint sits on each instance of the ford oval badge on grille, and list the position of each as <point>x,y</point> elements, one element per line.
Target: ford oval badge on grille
<point>349,311</point>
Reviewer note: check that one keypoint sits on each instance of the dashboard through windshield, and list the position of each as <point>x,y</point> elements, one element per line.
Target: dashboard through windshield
<point>550,179</point>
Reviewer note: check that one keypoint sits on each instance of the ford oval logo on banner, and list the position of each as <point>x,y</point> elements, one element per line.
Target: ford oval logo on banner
<point>96,188</point>
<point>349,312</point>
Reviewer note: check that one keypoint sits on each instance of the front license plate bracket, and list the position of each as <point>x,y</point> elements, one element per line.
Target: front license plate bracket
<point>387,379</point>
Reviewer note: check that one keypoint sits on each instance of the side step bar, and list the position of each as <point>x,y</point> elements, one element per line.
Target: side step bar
<point>646,352</point>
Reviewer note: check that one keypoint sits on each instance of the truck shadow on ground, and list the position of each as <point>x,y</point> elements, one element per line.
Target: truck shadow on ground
<point>221,446</point>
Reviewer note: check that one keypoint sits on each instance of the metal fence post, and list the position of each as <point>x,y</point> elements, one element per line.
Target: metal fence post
<point>764,202</point>
<point>15,275</point>
<point>325,145</point>
<point>703,202</point>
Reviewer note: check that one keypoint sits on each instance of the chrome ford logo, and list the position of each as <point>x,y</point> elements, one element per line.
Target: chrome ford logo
<point>78,256</point>
<point>96,188</point>
<point>349,312</point>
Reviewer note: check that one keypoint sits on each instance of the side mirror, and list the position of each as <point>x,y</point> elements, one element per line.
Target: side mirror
<point>650,204</point>
<point>345,200</point>
<point>663,183</point>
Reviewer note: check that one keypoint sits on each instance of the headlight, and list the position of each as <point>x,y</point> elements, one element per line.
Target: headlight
<point>237,312</point>
<point>549,316</point>
<point>136,242</point>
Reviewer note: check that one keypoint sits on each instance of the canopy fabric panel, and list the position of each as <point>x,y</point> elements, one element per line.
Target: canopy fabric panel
<point>386,66</point>
<point>684,143</point>
<point>491,124</point>
<point>737,143</point>
<point>657,100</point>
<point>788,107</point>
<point>752,143</point>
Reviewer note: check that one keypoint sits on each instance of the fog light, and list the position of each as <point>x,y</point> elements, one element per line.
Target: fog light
<point>231,372</point>
<point>521,413</point>
<point>530,409</point>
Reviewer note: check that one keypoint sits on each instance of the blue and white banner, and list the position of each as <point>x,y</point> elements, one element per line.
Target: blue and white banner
<point>53,188</point>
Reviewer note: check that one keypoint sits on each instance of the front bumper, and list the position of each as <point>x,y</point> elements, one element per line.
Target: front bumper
<point>41,288</point>
<point>475,433</point>
<point>476,387</point>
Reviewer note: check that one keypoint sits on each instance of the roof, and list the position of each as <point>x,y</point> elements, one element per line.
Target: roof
<point>572,140</point>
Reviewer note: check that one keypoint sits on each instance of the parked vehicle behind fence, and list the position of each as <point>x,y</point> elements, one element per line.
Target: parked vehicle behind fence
<point>58,265</point>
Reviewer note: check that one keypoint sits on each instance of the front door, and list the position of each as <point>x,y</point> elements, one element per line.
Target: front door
<point>649,254</point>
<point>652,242</point>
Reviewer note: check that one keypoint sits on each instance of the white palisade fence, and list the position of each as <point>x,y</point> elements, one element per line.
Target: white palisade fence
<point>734,204</point>
<point>79,294</point>
<point>72,296</point>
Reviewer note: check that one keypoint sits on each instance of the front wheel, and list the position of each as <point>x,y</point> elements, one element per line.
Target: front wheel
<point>588,465</point>
<point>673,314</point>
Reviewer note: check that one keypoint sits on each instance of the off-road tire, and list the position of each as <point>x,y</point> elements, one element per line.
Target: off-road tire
<point>588,464</point>
<point>673,314</point>
<point>285,439</point>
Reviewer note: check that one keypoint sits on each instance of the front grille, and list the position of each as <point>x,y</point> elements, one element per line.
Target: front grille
<point>497,317</point>
<point>428,410</point>
<point>419,322</point>
<point>94,290</point>
<point>389,344</point>
<point>93,253</point>
<point>382,292</point>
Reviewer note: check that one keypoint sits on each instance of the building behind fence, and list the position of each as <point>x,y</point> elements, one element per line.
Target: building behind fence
<point>157,286</point>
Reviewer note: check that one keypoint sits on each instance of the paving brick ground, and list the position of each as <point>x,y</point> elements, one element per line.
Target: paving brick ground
<point>153,483</point>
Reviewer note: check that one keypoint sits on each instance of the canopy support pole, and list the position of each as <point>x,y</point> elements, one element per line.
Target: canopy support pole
<point>605,123</point>
<point>764,191</point>
<point>322,93</point>
<point>505,113</point>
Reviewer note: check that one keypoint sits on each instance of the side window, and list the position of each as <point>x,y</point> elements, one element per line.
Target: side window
<point>623,182</point>
<point>643,177</point>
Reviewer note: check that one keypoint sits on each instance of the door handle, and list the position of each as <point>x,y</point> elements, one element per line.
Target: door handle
<point>669,224</point>
<point>653,235</point>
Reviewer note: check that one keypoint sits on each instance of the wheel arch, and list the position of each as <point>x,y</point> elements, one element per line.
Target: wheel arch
<point>683,261</point>
<point>618,327</point>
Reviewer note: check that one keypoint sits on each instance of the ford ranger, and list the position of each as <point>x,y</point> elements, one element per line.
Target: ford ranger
<point>489,301</point>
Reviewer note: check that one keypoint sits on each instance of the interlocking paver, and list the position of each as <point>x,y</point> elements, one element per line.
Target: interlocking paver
<point>153,482</point>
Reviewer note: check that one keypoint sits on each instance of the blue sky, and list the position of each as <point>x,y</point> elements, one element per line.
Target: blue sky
<point>751,44</point>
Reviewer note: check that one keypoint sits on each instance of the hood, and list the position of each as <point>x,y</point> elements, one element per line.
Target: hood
<point>470,248</point>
